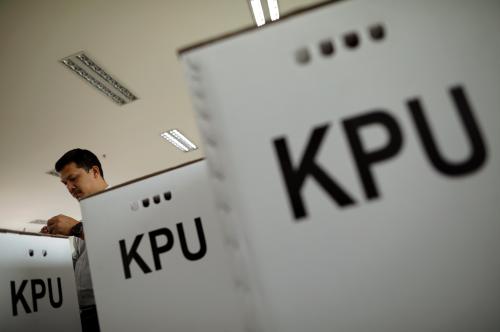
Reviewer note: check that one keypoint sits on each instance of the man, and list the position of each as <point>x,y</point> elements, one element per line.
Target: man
<point>81,172</point>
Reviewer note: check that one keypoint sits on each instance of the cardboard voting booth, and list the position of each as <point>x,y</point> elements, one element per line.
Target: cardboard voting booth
<point>37,290</point>
<point>157,258</point>
<point>355,149</point>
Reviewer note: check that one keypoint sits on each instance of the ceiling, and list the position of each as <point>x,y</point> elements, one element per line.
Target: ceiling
<point>46,110</point>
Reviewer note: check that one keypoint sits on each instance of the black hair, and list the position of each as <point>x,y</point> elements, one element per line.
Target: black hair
<point>82,158</point>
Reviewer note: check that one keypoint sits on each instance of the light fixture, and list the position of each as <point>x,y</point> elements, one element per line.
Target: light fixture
<point>87,68</point>
<point>38,222</point>
<point>258,12</point>
<point>52,172</point>
<point>178,140</point>
<point>274,11</point>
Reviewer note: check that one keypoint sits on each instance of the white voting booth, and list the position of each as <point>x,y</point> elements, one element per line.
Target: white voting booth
<point>354,148</point>
<point>157,258</point>
<point>37,290</point>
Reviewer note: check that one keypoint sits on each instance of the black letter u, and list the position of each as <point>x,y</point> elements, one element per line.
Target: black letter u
<point>201,238</point>
<point>51,294</point>
<point>478,155</point>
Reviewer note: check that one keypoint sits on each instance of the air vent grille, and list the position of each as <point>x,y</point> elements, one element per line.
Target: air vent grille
<point>81,64</point>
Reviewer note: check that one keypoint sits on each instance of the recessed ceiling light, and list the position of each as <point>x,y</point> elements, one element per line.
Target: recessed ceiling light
<point>274,11</point>
<point>38,222</point>
<point>258,12</point>
<point>88,69</point>
<point>177,139</point>
<point>52,172</point>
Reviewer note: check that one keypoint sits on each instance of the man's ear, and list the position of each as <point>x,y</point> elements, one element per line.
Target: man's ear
<point>95,171</point>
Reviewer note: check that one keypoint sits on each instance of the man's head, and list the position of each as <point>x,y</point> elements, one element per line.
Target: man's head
<point>81,173</point>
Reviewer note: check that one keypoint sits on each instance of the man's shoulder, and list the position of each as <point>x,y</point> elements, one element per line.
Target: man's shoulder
<point>79,245</point>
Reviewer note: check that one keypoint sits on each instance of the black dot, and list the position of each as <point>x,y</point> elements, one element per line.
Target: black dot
<point>145,202</point>
<point>31,252</point>
<point>351,40</point>
<point>156,199</point>
<point>326,47</point>
<point>302,56</point>
<point>377,32</point>
<point>167,196</point>
<point>210,140</point>
<point>44,253</point>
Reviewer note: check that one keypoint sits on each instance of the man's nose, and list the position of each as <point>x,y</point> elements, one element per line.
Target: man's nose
<point>70,186</point>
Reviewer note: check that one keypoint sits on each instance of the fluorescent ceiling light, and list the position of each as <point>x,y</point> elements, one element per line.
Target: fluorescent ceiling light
<point>183,139</point>
<point>38,222</point>
<point>180,141</point>
<point>99,71</point>
<point>258,12</point>
<point>274,11</point>
<point>87,68</point>
<point>52,172</point>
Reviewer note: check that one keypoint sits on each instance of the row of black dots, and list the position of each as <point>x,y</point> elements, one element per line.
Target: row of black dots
<point>351,41</point>
<point>31,253</point>
<point>157,199</point>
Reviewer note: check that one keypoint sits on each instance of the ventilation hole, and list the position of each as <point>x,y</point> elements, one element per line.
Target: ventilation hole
<point>145,202</point>
<point>210,141</point>
<point>31,252</point>
<point>204,114</point>
<point>302,56</point>
<point>219,175</point>
<point>44,253</point>
<point>156,199</point>
<point>134,206</point>
<point>351,40</point>
<point>167,196</point>
<point>377,32</point>
<point>326,47</point>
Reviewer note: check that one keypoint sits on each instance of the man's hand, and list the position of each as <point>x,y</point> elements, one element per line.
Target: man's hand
<point>61,224</point>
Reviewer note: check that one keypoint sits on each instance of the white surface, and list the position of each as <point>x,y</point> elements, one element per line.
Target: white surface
<point>16,265</point>
<point>184,295</point>
<point>424,256</point>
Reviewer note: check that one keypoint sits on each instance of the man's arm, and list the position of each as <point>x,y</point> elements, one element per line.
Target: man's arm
<point>64,225</point>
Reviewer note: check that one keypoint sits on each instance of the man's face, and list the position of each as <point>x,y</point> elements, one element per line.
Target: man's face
<point>78,181</point>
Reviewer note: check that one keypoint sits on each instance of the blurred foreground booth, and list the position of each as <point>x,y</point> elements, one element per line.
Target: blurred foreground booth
<point>38,291</point>
<point>356,146</point>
